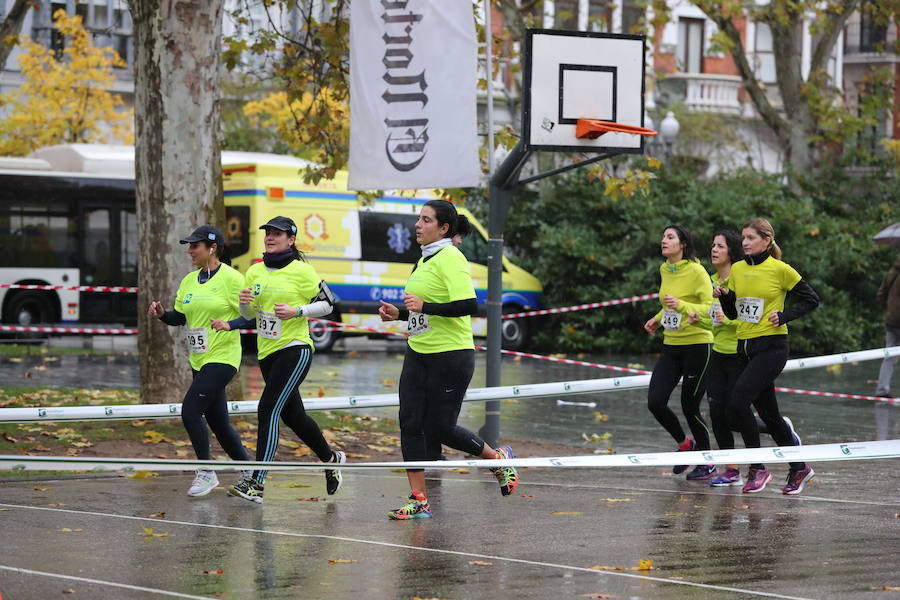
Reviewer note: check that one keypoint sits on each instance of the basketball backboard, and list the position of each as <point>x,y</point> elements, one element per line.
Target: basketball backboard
<point>571,75</point>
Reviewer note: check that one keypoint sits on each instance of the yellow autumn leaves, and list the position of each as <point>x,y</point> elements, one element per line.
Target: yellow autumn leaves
<point>66,97</point>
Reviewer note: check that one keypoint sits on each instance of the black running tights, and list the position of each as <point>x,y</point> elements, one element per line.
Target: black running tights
<point>206,398</point>
<point>689,361</point>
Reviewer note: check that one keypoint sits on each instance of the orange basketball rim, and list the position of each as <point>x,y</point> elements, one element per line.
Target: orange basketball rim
<point>593,128</point>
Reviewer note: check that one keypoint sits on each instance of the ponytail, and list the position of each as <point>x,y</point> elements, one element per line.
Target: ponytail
<point>774,250</point>
<point>463,226</point>
<point>297,254</point>
<point>224,254</point>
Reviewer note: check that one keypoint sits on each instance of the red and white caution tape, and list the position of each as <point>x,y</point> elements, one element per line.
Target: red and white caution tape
<point>882,449</point>
<point>94,330</point>
<point>74,288</point>
<point>565,309</point>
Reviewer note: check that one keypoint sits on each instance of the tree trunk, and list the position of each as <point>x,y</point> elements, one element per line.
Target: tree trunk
<point>177,166</point>
<point>12,26</point>
<point>787,40</point>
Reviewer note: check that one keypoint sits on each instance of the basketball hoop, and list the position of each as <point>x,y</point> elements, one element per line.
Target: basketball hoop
<point>592,128</point>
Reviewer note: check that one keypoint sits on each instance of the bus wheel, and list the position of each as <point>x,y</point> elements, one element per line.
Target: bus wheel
<point>323,335</point>
<point>29,308</point>
<point>514,331</point>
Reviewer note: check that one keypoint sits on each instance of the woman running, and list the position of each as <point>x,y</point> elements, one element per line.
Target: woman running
<point>206,302</point>
<point>281,293</point>
<point>684,289</point>
<point>755,296</point>
<point>725,364</point>
<point>440,357</point>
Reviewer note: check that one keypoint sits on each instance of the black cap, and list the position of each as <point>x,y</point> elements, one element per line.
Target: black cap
<point>282,223</point>
<point>205,233</point>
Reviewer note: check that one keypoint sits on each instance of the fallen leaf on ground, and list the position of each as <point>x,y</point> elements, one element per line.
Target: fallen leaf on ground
<point>619,500</point>
<point>645,564</point>
<point>358,455</point>
<point>310,499</point>
<point>152,534</point>
<point>891,588</point>
<point>526,495</point>
<point>9,438</point>
<point>154,437</point>
<point>567,512</point>
<point>288,443</point>
<point>599,416</point>
<point>482,563</point>
<point>299,485</point>
<point>140,423</point>
<point>302,451</point>
<point>334,561</point>
<point>461,470</point>
<point>597,596</point>
<point>181,443</point>
<point>331,373</point>
<point>157,515</point>
<point>67,530</point>
<point>144,474</point>
<point>180,453</point>
<point>214,572</point>
<point>42,489</point>
<point>56,504</point>
<point>321,392</point>
<point>378,448</point>
<point>68,591</point>
<point>673,515</point>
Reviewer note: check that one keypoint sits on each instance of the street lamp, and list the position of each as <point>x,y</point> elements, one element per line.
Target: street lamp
<point>662,144</point>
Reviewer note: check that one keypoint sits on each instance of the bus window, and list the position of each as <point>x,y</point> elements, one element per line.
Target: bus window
<point>32,236</point>
<point>237,229</point>
<point>129,233</point>
<point>389,237</point>
<point>96,268</point>
<point>474,248</point>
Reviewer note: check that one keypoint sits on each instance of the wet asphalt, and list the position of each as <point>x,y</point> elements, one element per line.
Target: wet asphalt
<point>86,537</point>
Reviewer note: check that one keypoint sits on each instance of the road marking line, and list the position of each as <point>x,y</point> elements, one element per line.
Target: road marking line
<point>475,555</point>
<point>125,586</point>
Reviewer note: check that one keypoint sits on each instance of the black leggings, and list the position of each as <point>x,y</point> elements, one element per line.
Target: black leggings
<point>284,371</point>
<point>432,387</point>
<point>724,370</point>
<point>206,398</point>
<point>691,362</point>
<point>762,359</point>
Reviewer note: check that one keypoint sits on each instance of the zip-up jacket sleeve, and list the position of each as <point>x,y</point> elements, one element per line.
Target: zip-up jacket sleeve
<point>173,318</point>
<point>729,304</point>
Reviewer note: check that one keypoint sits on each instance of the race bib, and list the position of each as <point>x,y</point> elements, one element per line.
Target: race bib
<point>198,339</point>
<point>671,320</point>
<point>713,309</point>
<point>268,325</point>
<point>418,324</point>
<point>750,310</point>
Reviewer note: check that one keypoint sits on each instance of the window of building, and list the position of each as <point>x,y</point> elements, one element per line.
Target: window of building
<point>600,16</point>
<point>765,53</point>
<point>633,14</point>
<point>690,45</point>
<point>566,14</point>
<point>872,34</point>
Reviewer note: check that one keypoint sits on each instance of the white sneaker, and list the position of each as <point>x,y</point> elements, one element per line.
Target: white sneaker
<point>204,482</point>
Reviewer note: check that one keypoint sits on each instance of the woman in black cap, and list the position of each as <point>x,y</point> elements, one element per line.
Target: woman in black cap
<point>281,293</point>
<point>206,302</point>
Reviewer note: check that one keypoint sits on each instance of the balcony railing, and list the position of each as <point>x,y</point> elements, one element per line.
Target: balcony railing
<point>868,38</point>
<point>704,91</point>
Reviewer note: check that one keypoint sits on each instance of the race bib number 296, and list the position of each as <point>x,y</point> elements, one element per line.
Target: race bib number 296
<point>418,324</point>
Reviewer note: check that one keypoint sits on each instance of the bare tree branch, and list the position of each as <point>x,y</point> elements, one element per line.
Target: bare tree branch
<point>11,27</point>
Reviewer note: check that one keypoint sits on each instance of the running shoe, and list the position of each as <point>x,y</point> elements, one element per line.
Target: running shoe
<point>204,482</point>
<point>797,479</point>
<point>702,473</point>
<point>333,477</point>
<point>679,469</point>
<point>416,508</point>
<point>728,478</point>
<point>507,476</point>
<point>756,480</point>
<point>248,489</point>
<point>794,436</point>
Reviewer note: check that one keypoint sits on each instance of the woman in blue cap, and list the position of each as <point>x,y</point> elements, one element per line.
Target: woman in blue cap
<point>206,302</point>
<point>281,293</point>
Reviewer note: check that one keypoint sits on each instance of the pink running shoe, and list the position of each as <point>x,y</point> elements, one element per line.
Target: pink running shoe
<point>797,479</point>
<point>756,480</point>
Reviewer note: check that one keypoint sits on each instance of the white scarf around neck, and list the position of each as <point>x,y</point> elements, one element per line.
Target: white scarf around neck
<point>433,247</point>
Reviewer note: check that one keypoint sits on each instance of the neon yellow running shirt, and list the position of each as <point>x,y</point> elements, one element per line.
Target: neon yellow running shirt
<point>444,277</point>
<point>724,332</point>
<point>760,291</point>
<point>297,283</point>
<point>688,281</point>
<point>217,298</point>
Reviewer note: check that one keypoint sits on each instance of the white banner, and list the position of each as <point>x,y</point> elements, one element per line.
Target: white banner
<point>413,70</point>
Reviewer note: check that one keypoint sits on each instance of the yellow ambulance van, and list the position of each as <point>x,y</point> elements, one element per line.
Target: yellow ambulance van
<point>364,252</point>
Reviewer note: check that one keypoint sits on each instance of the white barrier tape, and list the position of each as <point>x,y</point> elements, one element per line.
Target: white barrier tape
<point>816,453</point>
<point>565,309</point>
<point>74,288</point>
<point>536,390</point>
